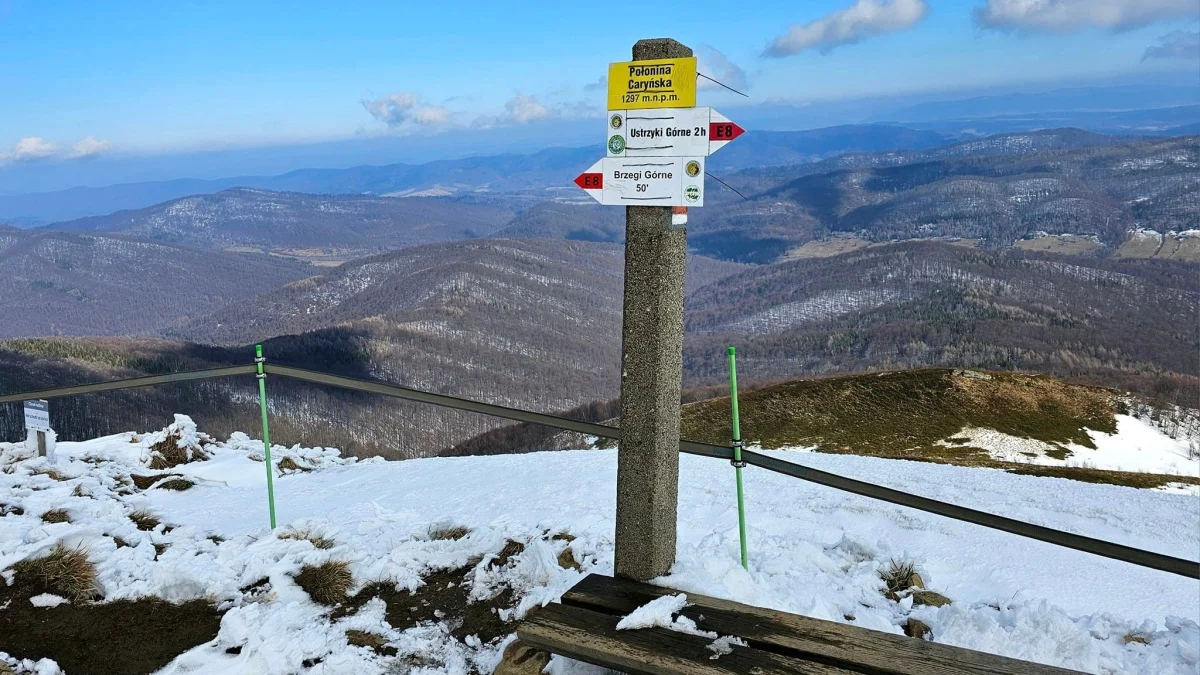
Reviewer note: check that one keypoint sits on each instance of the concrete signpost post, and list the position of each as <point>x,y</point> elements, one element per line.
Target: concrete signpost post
<point>657,141</point>
<point>37,418</point>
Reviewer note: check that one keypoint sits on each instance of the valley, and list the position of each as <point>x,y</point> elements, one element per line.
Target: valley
<point>1031,252</point>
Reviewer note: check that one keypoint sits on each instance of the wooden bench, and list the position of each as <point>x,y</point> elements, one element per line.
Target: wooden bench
<point>584,627</point>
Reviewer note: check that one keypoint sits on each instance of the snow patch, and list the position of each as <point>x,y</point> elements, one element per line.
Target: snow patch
<point>47,600</point>
<point>1137,446</point>
<point>814,551</point>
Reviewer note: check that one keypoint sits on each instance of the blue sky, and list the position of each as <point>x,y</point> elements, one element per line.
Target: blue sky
<point>124,78</point>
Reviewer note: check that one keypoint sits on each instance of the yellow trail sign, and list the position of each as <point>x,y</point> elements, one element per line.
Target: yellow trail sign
<point>659,83</point>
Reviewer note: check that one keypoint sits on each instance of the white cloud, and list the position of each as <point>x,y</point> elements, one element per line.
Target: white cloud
<point>33,148</point>
<point>1065,16</point>
<point>1178,44</point>
<point>601,83</point>
<point>90,147</point>
<point>397,110</point>
<point>28,149</point>
<point>522,108</point>
<point>716,65</point>
<point>863,19</point>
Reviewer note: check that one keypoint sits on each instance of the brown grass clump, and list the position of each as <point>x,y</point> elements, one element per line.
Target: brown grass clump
<point>323,543</point>
<point>144,482</point>
<point>81,491</point>
<point>56,516</point>
<point>449,533</point>
<point>327,583</point>
<point>65,572</point>
<point>170,482</point>
<point>167,454</point>
<point>144,520</point>
<point>54,474</point>
<point>176,484</point>
<point>289,465</point>
<point>510,550</point>
<point>899,576</point>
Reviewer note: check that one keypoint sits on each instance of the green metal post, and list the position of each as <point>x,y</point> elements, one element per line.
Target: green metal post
<point>262,400</point>
<point>737,453</point>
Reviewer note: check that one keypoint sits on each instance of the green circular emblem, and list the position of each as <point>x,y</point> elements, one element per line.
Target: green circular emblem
<point>616,121</point>
<point>616,144</point>
<point>692,193</point>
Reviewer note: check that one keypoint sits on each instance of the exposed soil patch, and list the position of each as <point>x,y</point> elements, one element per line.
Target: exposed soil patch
<point>444,597</point>
<point>117,638</point>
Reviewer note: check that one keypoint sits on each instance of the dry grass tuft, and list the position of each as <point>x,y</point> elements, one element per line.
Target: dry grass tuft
<point>55,474</point>
<point>510,550</point>
<point>56,516</point>
<point>449,533</point>
<point>897,577</point>
<point>65,572</point>
<point>81,491</point>
<point>144,482</point>
<point>289,465</point>
<point>6,509</point>
<point>327,583</point>
<point>144,520</point>
<point>167,454</point>
<point>176,484</point>
<point>323,543</point>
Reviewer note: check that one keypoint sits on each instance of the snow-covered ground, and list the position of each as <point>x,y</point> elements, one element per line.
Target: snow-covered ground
<point>1136,446</point>
<point>813,550</point>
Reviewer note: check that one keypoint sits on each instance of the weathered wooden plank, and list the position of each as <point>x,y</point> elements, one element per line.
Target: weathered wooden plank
<point>827,641</point>
<point>593,637</point>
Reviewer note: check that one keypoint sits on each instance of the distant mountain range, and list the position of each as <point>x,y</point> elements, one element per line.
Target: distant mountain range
<point>992,193</point>
<point>77,284</point>
<point>998,190</point>
<point>536,172</point>
<point>537,324</point>
<point>291,222</point>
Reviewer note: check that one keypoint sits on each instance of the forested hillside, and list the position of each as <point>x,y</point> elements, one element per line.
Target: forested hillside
<point>536,324</point>
<point>77,284</point>
<point>531,324</point>
<point>285,222</point>
<point>996,190</point>
<point>1126,323</point>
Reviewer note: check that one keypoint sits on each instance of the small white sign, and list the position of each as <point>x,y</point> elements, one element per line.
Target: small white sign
<point>645,181</point>
<point>37,415</point>
<point>668,132</point>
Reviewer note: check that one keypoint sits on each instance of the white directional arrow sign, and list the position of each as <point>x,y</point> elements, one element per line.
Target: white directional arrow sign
<point>645,181</point>
<point>669,132</point>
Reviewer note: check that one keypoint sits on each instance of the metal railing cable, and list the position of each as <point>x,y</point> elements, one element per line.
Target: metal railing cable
<point>1158,561</point>
<point>114,385</point>
<point>1152,560</point>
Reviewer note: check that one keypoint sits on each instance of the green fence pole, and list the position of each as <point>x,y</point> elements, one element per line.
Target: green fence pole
<point>262,401</point>
<point>738,463</point>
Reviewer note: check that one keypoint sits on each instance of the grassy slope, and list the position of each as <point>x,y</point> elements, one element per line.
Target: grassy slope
<point>904,414</point>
